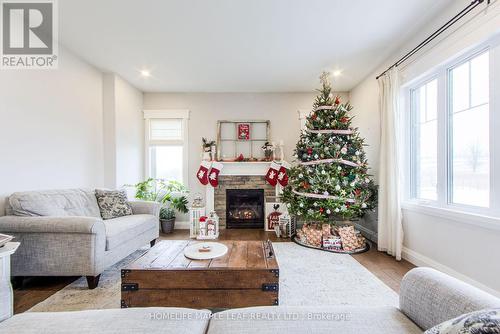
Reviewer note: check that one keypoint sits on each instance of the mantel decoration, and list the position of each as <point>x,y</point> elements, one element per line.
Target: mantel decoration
<point>243,140</point>
<point>329,184</point>
<point>209,149</point>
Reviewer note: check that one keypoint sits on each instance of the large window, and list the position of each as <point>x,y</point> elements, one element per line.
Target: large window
<point>469,128</point>
<point>451,121</point>
<point>424,119</point>
<point>166,145</point>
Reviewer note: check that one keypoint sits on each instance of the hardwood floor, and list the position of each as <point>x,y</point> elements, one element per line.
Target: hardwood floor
<point>383,266</point>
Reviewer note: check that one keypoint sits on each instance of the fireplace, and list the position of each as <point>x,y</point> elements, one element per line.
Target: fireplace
<point>244,208</point>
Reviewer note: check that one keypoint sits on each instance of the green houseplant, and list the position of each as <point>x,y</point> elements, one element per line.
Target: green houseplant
<point>172,195</point>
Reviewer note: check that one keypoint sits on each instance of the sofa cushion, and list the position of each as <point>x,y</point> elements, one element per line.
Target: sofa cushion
<point>485,321</point>
<point>301,319</point>
<point>122,229</point>
<point>113,203</point>
<point>119,321</point>
<point>67,202</point>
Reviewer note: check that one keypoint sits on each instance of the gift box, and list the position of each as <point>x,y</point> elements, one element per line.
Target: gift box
<point>332,242</point>
<point>313,234</point>
<point>350,239</point>
<point>326,230</point>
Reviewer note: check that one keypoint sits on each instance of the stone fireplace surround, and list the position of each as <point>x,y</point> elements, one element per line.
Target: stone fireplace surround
<point>239,175</point>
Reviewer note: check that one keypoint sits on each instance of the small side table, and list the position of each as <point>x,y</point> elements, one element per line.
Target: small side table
<point>6,293</point>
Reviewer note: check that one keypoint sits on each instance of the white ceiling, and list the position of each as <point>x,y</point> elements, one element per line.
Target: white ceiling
<point>239,45</point>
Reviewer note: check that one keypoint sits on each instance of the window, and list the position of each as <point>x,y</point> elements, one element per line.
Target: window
<point>424,141</point>
<point>469,127</point>
<point>166,145</point>
<point>451,161</point>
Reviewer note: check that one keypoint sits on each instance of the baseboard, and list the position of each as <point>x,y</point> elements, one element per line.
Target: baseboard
<point>182,225</point>
<point>424,261</point>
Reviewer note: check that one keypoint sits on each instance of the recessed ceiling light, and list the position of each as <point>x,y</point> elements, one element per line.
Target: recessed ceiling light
<point>145,73</point>
<point>337,73</point>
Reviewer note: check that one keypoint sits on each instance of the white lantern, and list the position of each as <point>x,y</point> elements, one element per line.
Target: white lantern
<point>194,219</point>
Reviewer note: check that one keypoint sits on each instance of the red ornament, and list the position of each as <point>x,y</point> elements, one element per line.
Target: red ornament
<point>337,100</point>
<point>347,205</point>
<point>314,116</point>
<point>321,210</point>
<point>357,192</point>
<point>309,150</point>
<point>344,120</point>
<point>240,158</point>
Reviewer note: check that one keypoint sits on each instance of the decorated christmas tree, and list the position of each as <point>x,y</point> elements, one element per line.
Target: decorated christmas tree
<point>330,180</point>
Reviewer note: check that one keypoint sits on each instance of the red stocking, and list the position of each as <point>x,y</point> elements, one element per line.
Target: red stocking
<point>213,176</point>
<point>282,174</point>
<point>272,174</point>
<point>202,173</point>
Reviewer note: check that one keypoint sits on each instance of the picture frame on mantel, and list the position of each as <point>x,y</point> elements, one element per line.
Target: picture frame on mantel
<point>241,140</point>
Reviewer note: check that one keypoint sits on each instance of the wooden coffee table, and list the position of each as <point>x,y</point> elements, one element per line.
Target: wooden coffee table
<point>248,275</point>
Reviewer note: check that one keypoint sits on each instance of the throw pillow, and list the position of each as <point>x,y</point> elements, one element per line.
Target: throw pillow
<point>479,322</point>
<point>113,203</point>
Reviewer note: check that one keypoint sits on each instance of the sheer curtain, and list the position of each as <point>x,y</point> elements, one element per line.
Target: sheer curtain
<point>390,228</point>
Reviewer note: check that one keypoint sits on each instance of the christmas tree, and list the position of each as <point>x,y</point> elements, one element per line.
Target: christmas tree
<point>330,179</point>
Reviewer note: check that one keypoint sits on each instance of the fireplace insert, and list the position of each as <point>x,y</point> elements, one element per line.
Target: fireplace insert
<point>244,208</point>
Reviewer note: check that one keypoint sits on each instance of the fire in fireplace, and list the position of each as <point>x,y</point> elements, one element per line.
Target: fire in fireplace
<point>244,208</point>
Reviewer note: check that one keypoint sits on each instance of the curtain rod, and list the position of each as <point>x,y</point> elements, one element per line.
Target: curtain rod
<point>436,33</point>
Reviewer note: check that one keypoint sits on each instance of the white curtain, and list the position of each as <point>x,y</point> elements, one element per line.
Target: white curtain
<point>390,228</point>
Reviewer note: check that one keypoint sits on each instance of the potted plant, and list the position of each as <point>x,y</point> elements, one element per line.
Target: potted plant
<point>167,220</point>
<point>172,195</point>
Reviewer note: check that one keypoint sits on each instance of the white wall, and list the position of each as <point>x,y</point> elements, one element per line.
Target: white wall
<point>123,132</point>
<point>206,108</point>
<point>51,127</point>
<point>452,245</point>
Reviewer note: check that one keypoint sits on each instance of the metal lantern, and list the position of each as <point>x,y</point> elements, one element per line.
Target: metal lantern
<point>194,218</point>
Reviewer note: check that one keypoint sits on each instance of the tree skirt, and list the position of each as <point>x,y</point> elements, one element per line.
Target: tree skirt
<point>341,251</point>
<point>307,277</point>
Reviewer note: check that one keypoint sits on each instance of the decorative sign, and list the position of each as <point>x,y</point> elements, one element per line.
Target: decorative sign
<point>244,131</point>
<point>274,211</point>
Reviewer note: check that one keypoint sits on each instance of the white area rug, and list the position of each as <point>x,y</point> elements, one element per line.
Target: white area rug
<point>307,277</point>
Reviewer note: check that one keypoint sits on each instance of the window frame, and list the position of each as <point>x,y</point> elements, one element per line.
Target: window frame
<point>444,204</point>
<point>179,114</point>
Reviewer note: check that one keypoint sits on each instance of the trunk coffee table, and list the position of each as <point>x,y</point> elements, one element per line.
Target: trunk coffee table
<point>248,275</point>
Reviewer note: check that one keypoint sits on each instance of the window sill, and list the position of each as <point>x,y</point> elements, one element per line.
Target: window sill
<point>463,217</point>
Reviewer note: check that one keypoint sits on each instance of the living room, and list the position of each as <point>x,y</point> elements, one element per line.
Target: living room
<point>249,166</point>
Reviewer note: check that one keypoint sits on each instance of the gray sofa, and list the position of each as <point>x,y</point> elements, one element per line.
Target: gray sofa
<point>427,298</point>
<point>62,233</point>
